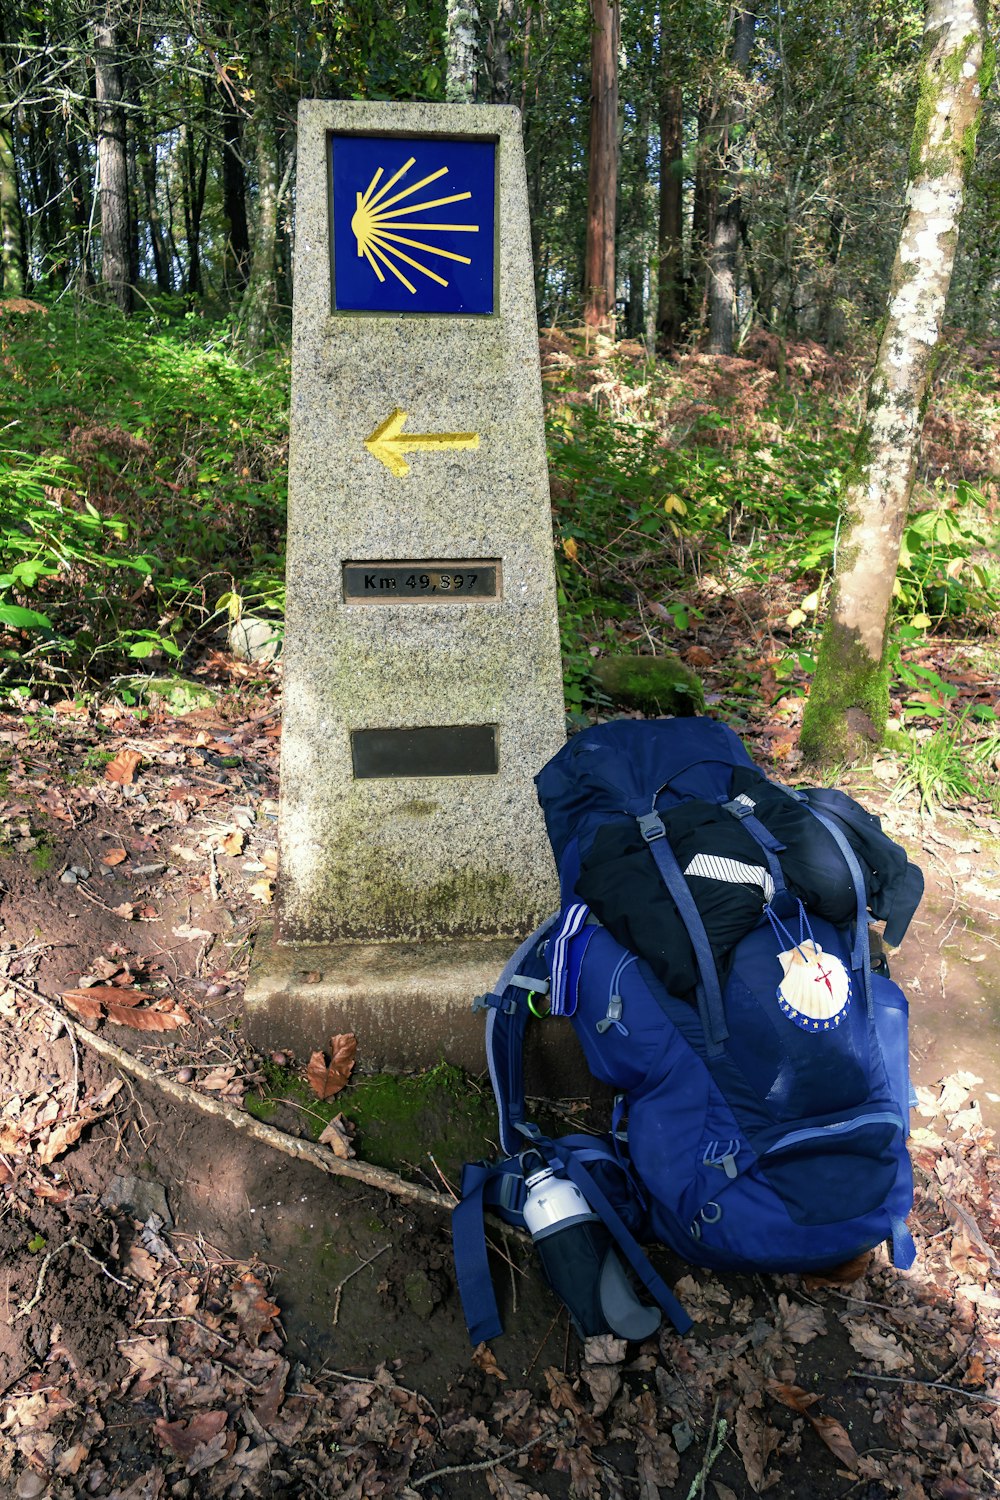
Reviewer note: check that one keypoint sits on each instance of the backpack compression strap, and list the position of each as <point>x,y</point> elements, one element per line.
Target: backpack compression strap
<point>709,991</point>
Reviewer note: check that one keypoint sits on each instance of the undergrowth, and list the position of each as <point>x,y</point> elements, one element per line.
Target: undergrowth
<point>142,481</point>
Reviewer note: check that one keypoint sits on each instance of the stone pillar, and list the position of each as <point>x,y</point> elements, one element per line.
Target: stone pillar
<point>422,671</point>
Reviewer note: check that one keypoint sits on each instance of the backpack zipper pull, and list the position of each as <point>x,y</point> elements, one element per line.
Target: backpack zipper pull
<point>724,1157</point>
<point>613,1017</point>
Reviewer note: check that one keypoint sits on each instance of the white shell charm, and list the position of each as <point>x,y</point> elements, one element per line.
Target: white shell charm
<point>816,989</point>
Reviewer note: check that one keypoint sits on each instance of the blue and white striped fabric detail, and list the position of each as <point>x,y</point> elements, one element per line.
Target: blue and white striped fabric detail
<point>574,920</point>
<point>733,872</point>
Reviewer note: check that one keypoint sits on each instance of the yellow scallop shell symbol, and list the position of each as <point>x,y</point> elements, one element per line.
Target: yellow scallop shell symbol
<point>378,221</point>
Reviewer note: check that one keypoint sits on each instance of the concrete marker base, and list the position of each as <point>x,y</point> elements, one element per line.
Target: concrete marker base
<point>408,1004</point>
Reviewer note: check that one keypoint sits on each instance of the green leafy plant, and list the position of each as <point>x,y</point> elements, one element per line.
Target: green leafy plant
<point>945,766</point>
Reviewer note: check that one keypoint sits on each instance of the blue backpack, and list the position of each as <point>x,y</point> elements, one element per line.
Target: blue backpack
<point>763,1101</point>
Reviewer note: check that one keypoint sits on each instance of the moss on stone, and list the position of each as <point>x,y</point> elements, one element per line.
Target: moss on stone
<point>654,684</point>
<point>401,1121</point>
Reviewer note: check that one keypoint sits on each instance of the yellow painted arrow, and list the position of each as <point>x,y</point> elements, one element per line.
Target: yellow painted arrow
<point>388,443</point>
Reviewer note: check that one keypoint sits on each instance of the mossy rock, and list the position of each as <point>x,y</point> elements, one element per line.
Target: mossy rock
<point>178,694</point>
<point>654,684</point>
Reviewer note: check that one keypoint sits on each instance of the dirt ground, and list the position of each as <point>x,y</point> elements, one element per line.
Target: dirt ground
<point>188,1312</point>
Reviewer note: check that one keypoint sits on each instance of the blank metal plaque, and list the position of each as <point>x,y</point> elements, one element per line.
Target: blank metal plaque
<point>405,582</point>
<point>438,750</point>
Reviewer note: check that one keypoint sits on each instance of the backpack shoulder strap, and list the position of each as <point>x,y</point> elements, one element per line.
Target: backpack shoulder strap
<point>507,1014</point>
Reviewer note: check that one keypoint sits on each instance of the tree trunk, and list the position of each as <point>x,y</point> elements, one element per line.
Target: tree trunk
<point>11,266</point>
<point>112,158</point>
<point>498,52</point>
<point>234,195</point>
<point>602,176</point>
<point>461,51</point>
<point>848,707</point>
<point>670,235</point>
<point>75,185</point>
<point>260,298</point>
<point>161,254</point>
<point>725,240</point>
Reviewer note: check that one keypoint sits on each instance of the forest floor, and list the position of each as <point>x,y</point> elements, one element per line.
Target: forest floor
<point>191,1313</point>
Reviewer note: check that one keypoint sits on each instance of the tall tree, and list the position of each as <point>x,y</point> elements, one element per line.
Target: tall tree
<point>112,159</point>
<point>11,264</point>
<point>670,232</point>
<point>849,704</point>
<point>461,51</point>
<point>602,168</point>
<point>725,238</point>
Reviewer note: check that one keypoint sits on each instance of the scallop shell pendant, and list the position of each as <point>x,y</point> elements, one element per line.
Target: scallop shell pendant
<point>816,989</point>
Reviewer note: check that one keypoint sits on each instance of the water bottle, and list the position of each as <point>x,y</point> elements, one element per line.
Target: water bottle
<point>578,1257</point>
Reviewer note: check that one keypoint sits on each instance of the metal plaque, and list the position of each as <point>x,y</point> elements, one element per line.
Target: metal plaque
<point>446,750</point>
<point>394,582</point>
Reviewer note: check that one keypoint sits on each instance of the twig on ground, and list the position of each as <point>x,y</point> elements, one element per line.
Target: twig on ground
<point>359,1171</point>
<point>716,1442</point>
<point>930,1385</point>
<point>486,1463</point>
<point>29,1306</point>
<point>338,1290</point>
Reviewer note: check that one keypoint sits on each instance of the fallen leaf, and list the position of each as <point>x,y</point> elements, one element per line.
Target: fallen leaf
<point>184,1437</point>
<point>254,1313</point>
<point>484,1359</point>
<point>218,1078</point>
<point>834,1435</point>
<point>107,994</point>
<point>114,857</point>
<point>232,842</point>
<point>83,1005</point>
<point>605,1349</point>
<point>267,1405</point>
<point>327,1079</point>
<point>61,1139</point>
<point>148,1020</point>
<point>262,890</point>
<point>756,1440</point>
<point>124,766</point>
<point>126,910</point>
<point>206,1454</point>
<point>189,933</point>
<point>881,1348</point>
<point>503,1485</point>
<point>793,1396</point>
<point>976,1373</point>
<point>799,1323</point>
<point>337,1138</point>
<point>570,548</point>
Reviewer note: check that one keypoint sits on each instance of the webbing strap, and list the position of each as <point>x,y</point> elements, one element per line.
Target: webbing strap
<point>742,808</point>
<point>904,1251</point>
<point>472,1267</point>
<point>861,961</point>
<point>708,991</point>
<point>626,1241</point>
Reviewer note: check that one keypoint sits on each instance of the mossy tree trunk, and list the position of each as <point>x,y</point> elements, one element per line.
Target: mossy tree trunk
<point>11,270</point>
<point>259,306</point>
<point>461,45</point>
<point>848,707</point>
